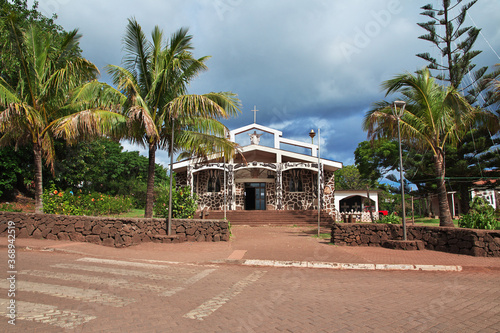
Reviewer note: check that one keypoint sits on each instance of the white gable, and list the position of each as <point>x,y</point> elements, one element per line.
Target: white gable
<point>277,137</point>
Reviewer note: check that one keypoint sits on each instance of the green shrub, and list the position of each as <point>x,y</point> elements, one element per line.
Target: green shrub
<point>480,216</point>
<point>184,204</point>
<point>79,203</point>
<point>390,219</point>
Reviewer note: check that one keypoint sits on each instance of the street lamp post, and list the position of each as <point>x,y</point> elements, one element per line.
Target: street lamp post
<point>319,180</point>
<point>398,114</point>
<point>169,219</point>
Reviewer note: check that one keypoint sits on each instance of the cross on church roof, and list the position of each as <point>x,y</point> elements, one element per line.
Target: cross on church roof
<point>255,114</point>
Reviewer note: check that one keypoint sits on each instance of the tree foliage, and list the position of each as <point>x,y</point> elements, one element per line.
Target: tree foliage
<point>102,166</point>
<point>11,170</point>
<point>434,116</point>
<point>50,68</point>
<point>24,17</point>
<point>374,159</point>
<point>480,216</point>
<point>349,178</point>
<point>455,45</point>
<point>477,151</point>
<point>151,101</point>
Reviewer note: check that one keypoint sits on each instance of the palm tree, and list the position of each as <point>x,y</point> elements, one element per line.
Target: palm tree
<point>151,89</point>
<point>49,70</point>
<point>434,116</point>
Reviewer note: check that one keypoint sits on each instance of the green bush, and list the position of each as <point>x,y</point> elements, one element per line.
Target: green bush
<point>480,216</point>
<point>79,203</point>
<point>184,204</point>
<point>390,219</point>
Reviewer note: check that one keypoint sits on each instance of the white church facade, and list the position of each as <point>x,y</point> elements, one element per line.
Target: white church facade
<point>261,177</point>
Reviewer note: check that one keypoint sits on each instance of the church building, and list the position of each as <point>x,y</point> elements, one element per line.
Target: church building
<point>279,175</point>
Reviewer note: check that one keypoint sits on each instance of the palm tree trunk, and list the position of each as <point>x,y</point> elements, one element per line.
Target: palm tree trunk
<point>151,182</point>
<point>37,151</point>
<point>444,208</point>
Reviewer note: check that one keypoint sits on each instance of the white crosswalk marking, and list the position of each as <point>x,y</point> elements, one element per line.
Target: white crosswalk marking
<point>110,274</point>
<point>210,306</point>
<point>144,275</point>
<point>133,264</point>
<point>46,314</point>
<point>111,282</point>
<point>115,271</point>
<point>189,281</point>
<point>79,294</point>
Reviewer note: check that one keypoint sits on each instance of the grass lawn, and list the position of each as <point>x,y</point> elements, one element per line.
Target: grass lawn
<point>133,213</point>
<point>427,221</point>
<point>323,236</point>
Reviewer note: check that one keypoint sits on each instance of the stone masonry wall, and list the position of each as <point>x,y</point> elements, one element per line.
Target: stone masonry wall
<point>117,232</point>
<point>479,243</point>
<point>299,200</point>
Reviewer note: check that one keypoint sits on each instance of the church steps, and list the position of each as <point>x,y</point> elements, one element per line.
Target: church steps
<point>270,217</point>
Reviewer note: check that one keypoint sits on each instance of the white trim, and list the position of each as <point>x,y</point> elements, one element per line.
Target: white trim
<point>332,165</point>
<point>313,147</point>
<point>243,129</point>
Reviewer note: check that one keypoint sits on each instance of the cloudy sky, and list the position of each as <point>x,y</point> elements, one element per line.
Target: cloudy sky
<point>304,64</point>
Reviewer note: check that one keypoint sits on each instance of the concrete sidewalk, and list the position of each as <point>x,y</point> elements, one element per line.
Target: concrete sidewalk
<point>277,246</point>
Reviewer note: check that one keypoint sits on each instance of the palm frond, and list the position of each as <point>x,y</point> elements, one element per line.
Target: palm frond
<point>139,120</point>
<point>434,115</point>
<point>95,94</point>
<point>197,105</point>
<point>137,54</point>
<point>87,124</point>
<point>198,145</point>
<point>21,117</point>
<point>7,94</point>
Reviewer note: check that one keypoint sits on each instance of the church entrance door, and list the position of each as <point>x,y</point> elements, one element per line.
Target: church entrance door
<point>255,196</point>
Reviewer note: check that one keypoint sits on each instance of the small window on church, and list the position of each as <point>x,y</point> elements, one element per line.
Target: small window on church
<point>296,181</point>
<point>213,182</point>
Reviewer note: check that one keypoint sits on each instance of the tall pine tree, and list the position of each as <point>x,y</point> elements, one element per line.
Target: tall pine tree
<point>476,153</point>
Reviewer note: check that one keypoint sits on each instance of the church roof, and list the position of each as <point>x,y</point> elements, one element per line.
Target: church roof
<point>259,153</point>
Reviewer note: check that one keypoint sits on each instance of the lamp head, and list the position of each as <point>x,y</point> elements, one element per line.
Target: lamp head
<point>398,108</point>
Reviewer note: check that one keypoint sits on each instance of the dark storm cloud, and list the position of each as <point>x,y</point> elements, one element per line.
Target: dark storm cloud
<point>304,64</point>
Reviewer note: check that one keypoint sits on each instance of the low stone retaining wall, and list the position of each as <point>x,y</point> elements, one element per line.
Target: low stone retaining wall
<point>117,232</point>
<point>480,243</point>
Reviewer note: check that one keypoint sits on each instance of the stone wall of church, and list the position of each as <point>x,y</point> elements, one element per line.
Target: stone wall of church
<point>329,193</point>
<point>181,179</point>
<point>270,196</point>
<point>240,196</point>
<point>303,200</point>
<point>213,200</point>
<point>299,200</point>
